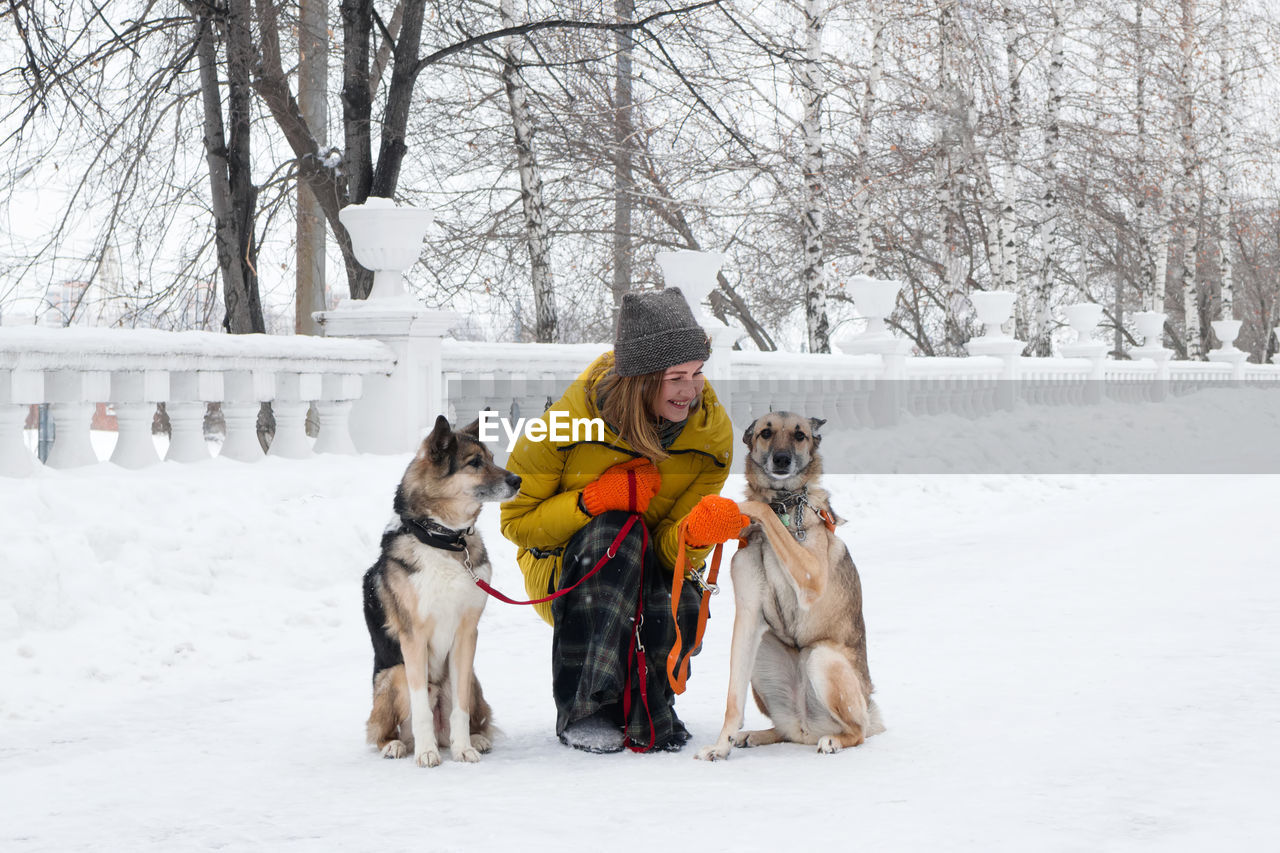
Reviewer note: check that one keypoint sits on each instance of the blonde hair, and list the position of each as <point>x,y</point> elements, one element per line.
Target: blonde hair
<point>626,404</point>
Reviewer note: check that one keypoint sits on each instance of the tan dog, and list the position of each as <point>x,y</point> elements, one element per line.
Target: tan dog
<point>422,605</point>
<point>798,635</point>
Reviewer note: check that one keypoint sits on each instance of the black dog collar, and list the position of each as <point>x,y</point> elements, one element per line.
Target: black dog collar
<point>436,535</point>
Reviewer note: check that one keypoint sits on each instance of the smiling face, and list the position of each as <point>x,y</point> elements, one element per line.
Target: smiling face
<point>681,387</point>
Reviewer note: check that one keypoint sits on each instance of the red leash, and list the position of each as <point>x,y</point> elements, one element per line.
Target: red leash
<point>635,654</point>
<point>609,554</point>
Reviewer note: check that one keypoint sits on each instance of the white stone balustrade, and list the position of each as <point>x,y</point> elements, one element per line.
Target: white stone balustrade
<point>379,396</point>
<point>134,369</point>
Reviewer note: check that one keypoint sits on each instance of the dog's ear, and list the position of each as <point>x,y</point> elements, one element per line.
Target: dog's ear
<point>815,424</point>
<point>440,442</point>
<point>473,429</point>
<point>750,434</point>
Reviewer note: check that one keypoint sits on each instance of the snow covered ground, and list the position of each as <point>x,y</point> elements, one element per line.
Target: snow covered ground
<point>1082,663</point>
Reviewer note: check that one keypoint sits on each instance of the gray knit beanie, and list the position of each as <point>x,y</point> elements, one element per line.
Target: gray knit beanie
<point>656,330</point>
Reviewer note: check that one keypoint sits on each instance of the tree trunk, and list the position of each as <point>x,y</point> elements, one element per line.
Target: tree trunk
<point>1191,184</point>
<point>866,252</point>
<point>313,66</point>
<point>383,54</point>
<point>395,119</point>
<point>814,273</point>
<point>1224,190</point>
<point>357,103</point>
<point>1160,270</point>
<point>227,152</point>
<point>948,144</point>
<point>624,10</point>
<point>1146,192</point>
<point>535,216</point>
<point>1012,153</point>
<point>1041,342</point>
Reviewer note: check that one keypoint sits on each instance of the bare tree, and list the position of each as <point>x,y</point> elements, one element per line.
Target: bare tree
<point>1040,343</point>
<point>623,133</point>
<point>1222,200</point>
<point>535,214</point>
<point>1190,184</point>
<point>229,155</point>
<point>313,73</point>
<point>866,110</point>
<point>814,272</point>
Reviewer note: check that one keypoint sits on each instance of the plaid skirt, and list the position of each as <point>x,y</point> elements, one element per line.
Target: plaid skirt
<point>593,629</point>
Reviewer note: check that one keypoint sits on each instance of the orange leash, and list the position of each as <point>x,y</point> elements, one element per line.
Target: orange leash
<point>678,669</point>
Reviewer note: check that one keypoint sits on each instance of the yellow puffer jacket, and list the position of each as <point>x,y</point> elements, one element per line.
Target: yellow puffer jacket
<point>545,514</point>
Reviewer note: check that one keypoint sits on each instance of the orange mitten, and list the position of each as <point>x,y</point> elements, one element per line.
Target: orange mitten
<point>629,486</point>
<point>714,519</point>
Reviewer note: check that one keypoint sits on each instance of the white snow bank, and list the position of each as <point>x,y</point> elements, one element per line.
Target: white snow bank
<point>1063,664</point>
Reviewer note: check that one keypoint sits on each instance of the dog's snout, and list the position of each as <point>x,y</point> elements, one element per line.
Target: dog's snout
<point>513,480</point>
<point>781,459</point>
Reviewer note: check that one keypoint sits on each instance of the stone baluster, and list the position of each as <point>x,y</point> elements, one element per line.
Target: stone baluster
<point>73,395</point>
<point>246,391</point>
<point>293,395</point>
<point>190,391</point>
<point>134,394</point>
<point>18,390</point>
<point>338,393</point>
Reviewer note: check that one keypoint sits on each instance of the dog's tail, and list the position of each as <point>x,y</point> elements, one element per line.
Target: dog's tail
<point>875,723</point>
<point>390,706</point>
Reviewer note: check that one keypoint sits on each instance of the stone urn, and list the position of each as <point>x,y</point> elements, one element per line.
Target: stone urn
<point>993,308</point>
<point>387,240</point>
<point>1150,325</point>
<point>1227,332</point>
<point>874,298</point>
<point>1083,319</point>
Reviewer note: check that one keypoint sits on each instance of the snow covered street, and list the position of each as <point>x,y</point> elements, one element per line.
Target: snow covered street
<point>1084,663</point>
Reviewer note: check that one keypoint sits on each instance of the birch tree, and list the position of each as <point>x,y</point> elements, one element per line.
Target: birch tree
<point>1040,343</point>
<point>1190,179</point>
<point>814,269</point>
<point>949,156</point>
<point>534,207</point>
<point>1145,195</point>
<point>1011,138</point>
<point>866,110</point>
<point>1222,200</point>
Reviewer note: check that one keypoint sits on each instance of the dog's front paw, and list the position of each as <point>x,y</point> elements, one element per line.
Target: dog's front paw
<point>742,740</point>
<point>827,745</point>
<point>394,749</point>
<point>428,758</point>
<point>467,753</point>
<point>482,742</point>
<point>713,753</point>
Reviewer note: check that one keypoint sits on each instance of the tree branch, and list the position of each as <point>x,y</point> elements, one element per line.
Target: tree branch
<point>554,24</point>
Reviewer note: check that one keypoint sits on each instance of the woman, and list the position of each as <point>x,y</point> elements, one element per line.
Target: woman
<point>664,457</point>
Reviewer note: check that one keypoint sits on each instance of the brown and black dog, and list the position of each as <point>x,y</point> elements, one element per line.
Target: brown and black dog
<point>422,605</point>
<point>798,634</point>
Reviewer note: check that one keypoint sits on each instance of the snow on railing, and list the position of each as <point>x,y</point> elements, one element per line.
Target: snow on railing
<point>134,369</point>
